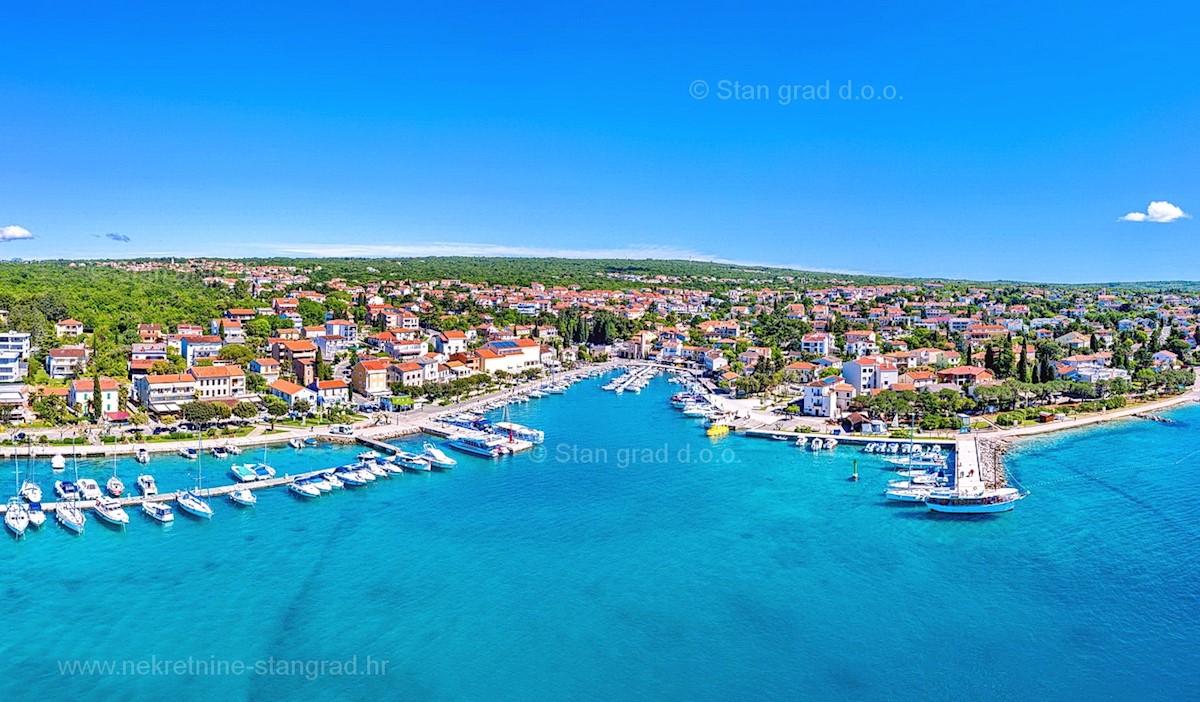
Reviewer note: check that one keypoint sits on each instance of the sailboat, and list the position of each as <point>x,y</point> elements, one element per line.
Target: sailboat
<point>114,485</point>
<point>70,516</point>
<point>190,501</point>
<point>30,490</point>
<point>16,517</point>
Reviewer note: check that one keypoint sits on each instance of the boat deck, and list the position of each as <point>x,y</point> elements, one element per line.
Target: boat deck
<point>966,464</point>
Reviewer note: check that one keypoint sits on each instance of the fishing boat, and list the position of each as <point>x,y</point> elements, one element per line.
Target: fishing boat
<point>109,509</point>
<point>189,453</point>
<point>296,442</point>
<point>219,452</point>
<point>16,517</point>
<point>243,473</point>
<point>70,516</point>
<point>243,496</point>
<point>413,461</point>
<point>114,485</point>
<point>146,485</point>
<point>437,457</point>
<point>37,517</point>
<point>974,500</point>
<point>303,489</point>
<point>159,511</point>
<point>717,430</point>
<point>142,456</point>
<point>89,489</point>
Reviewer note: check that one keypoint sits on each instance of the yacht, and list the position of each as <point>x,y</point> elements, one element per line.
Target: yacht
<point>918,458</point>
<point>146,486</point>
<point>192,503</point>
<point>142,456</point>
<point>908,493</point>
<point>243,496</point>
<point>16,517</point>
<point>89,489</point>
<point>437,457</point>
<point>413,461</point>
<point>349,476</point>
<point>109,509</point>
<point>303,489</point>
<point>159,511</point>
<point>70,516</point>
<point>519,431</point>
<point>974,500</point>
<point>66,490</point>
<point>243,473</point>
<point>36,516</point>
<point>263,471</point>
<point>190,453</point>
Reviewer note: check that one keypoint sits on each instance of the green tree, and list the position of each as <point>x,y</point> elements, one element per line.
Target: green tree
<point>245,410</point>
<point>302,406</point>
<point>276,407</point>
<point>238,353</point>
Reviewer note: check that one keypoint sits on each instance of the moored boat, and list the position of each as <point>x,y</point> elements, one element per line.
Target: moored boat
<point>243,496</point>
<point>70,516</point>
<point>190,453</point>
<point>192,503</point>
<point>16,517</point>
<point>413,461</point>
<point>243,473</point>
<point>304,489</point>
<point>159,511</point>
<point>109,509</point>
<point>146,485</point>
<point>974,500</point>
<point>437,457</point>
<point>37,517</point>
<point>142,456</point>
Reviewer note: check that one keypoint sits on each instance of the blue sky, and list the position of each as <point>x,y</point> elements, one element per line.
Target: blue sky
<point>1014,139</point>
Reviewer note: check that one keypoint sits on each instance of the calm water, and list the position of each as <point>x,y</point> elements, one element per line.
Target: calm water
<point>633,558</point>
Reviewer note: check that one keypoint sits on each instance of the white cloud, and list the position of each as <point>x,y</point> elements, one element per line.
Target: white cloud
<point>1158,211</point>
<point>12,232</point>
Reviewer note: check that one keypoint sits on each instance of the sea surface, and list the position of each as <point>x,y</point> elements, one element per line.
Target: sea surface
<point>630,558</point>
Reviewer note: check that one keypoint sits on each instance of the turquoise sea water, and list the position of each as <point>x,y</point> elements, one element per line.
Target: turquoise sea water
<point>633,558</point>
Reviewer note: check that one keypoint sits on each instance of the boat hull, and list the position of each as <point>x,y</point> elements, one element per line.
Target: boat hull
<point>980,508</point>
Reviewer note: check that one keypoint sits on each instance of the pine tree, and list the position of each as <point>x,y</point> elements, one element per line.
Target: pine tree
<point>989,358</point>
<point>1023,363</point>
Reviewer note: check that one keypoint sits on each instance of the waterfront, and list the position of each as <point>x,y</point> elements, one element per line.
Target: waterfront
<point>591,568</point>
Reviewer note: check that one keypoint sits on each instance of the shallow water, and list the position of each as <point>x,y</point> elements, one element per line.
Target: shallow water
<point>631,557</point>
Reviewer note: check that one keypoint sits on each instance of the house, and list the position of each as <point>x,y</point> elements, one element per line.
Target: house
<point>268,368</point>
<point>292,393</point>
<point>918,379</point>
<point>509,356</point>
<point>148,351</point>
<point>219,382</point>
<point>330,392</point>
<point>15,342</point>
<point>331,345</point>
<point>289,350</point>
<point>714,361</point>
<point>1164,359</point>
<point>370,377</point>
<point>964,376</point>
<point>66,362</point>
<point>450,342</point>
<point>68,328</point>
<point>869,373</point>
<point>79,395</point>
<point>197,348</point>
<point>344,328</point>
<point>164,394</point>
<point>800,371</point>
<point>1074,340</point>
<point>861,343</point>
<point>828,397</point>
<point>13,367</point>
<point>817,343</point>
<point>408,374</point>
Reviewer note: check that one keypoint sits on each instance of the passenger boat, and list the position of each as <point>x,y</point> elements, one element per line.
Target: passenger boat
<point>243,496</point>
<point>146,485</point>
<point>142,456</point>
<point>16,517</point>
<point>437,457</point>
<point>303,489</point>
<point>70,516</point>
<point>189,453</point>
<point>159,511</point>
<point>109,509</point>
<point>478,444</point>
<point>974,500</point>
<point>413,461</point>
<point>89,489</point>
<point>192,503</point>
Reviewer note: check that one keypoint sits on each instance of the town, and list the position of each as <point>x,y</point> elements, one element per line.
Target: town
<point>302,347</point>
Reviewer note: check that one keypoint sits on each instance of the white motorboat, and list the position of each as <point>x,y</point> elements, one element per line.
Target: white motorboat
<point>296,442</point>
<point>908,493</point>
<point>333,481</point>
<point>974,500</point>
<point>58,462</point>
<point>192,503</point>
<point>159,511</point>
<point>66,490</point>
<point>348,476</point>
<point>146,485</point>
<point>142,456</point>
<point>109,509</point>
<point>89,489</point>
<point>70,516</point>
<point>374,469</point>
<point>437,457</point>
<point>304,489</point>
<point>413,461</point>
<point>368,455</point>
<point>478,443</point>
<point>219,452</point>
<point>802,441</point>
<point>243,496</point>
<point>189,453</point>
<point>320,482</point>
<point>36,516</point>
<point>234,450</point>
<point>16,517</point>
